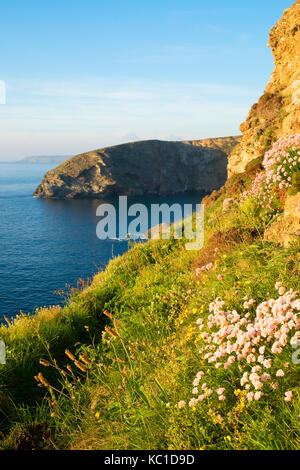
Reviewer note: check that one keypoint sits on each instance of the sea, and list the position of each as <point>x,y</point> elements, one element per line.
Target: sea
<point>48,245</point>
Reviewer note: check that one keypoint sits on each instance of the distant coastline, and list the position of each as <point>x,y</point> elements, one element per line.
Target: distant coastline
<point>40,159</point>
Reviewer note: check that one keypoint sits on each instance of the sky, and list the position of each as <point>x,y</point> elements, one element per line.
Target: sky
<point>81,75</point>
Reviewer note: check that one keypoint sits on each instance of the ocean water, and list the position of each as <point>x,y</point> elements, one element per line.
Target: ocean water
<point>46,244</point>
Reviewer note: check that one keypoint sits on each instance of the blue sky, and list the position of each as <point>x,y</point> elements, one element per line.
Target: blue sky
<point>83,75</point>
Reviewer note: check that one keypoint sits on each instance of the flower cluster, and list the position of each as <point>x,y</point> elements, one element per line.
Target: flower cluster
<point>250,346</point>
<point>280,163</point>
<point>227,203</point>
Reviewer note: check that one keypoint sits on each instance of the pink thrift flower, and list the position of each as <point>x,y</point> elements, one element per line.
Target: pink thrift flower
<point>288,396</point>
<point>192,402</point>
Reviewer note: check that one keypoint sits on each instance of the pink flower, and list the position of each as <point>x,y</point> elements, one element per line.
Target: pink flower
<point>181,404</point>
<point>192,402</point>
<point>258,395</point>
<point>222,398</point>
<point>220,277</point>
<point>280,373</point>
<point>267,363</point>
<point>288,396</point>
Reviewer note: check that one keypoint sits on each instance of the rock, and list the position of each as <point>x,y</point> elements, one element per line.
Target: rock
<point>277,112</point>
<point>138,168</point>
<point>286,229</point>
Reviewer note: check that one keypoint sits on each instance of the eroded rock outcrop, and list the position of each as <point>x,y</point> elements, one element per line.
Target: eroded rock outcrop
<point>287,228</point>
<point>138,168</point>
<point>277,112</point>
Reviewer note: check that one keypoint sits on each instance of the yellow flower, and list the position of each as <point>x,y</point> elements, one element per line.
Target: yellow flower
<point>194,310</point>
<point>237,392</point>
<point>97,415</point>
<point>227,438</point>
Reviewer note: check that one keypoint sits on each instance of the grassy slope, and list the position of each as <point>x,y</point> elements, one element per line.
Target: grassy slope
<point>123,393</point>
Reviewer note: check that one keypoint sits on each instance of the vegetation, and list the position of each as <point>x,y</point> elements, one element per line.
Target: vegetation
<point>127,363</point>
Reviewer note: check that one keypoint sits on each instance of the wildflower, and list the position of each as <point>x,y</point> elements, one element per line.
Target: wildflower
<point>80,366</point>
<point>280,373</point>
<point>108,314</point>
<point>97,415</point>
<point>70,355</point>
<point>181,404</point>
<point>111,332</point>
<point>44,362</point>
<point>42,379</point>
<point>84,359</point>
<point>267,363</point>
<point>192,402</point>
<point>258,396</point>
<point>288,396</point>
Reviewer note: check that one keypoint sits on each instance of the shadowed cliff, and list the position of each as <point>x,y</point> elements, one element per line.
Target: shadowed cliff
<point>138,168</point>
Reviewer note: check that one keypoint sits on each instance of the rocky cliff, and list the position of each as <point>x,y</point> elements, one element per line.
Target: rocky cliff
<point>277,112</point>
<point>147,167</point>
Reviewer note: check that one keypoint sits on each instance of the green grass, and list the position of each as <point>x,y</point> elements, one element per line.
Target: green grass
<point>134,332</point>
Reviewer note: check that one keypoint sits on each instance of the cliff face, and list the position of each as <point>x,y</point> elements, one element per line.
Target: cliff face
<point>277,112</point>
<point>147,167</point>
